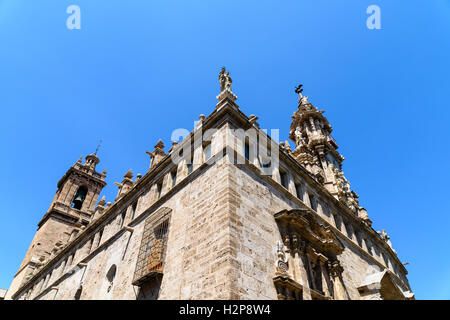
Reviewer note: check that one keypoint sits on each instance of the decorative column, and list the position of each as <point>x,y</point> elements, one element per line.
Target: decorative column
<point>339,292</point>
<point>323,270</point>
<point>310,255</point>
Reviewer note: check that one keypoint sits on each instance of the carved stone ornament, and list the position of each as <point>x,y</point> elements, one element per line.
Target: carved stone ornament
<point>345,194</point>
<point>298,226</point>
<point>282,262</point>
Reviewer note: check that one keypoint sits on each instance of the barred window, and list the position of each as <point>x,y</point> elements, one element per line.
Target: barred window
<point>152,250</point>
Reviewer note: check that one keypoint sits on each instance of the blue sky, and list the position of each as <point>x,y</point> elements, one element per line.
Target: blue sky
<point>137,70</point>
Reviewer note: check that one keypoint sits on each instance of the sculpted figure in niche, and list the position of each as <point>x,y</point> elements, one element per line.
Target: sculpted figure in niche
<point>294,241</point>
<point>299,140</point>
<point>287,241</point>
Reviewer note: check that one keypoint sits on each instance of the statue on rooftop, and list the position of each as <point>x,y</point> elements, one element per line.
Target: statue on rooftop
<point>225,80</point>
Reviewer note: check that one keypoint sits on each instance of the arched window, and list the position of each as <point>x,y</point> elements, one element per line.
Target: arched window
<point>111,275</point>
<point>78,200</point>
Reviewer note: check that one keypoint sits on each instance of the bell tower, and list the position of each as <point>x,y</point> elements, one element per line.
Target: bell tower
<point>69,212</point>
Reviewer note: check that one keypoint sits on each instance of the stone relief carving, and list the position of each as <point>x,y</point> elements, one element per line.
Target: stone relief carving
<point>345,194</point>
<point>282,262</point>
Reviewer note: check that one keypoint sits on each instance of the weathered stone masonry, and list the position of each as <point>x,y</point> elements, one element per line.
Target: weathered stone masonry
<point>219,228</point>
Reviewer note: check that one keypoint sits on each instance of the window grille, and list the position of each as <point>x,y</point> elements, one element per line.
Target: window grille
<point>152,251</point>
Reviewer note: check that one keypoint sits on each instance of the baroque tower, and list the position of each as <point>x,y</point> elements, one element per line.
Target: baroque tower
<point>68,214</point>
<point>317,151</point>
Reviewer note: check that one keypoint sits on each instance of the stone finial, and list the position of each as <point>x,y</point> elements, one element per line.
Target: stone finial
<point>174,144</point>
<point>384,235</point>
<point>103,175</point>
<point>79,163</point>
<point>253,120</point>
<point>159,145</point>
<point>127,183</point>
<point>287,146</point>
<point>157,155</point>
<point>129,174</point>
<point>199,122</point>
<point>118,185</point>
<point>102,201</point>
<point>386,239</point>
<point>362,214</point>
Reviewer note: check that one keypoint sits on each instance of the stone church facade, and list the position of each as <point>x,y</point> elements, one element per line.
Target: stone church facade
<point>227,213</point>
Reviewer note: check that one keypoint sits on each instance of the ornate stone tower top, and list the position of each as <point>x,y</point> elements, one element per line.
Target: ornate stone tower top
<point>311,132</point>
<point>79,188</point>
<point>317,151</point>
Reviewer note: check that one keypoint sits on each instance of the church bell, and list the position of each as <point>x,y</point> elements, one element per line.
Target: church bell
<point>78,201</point>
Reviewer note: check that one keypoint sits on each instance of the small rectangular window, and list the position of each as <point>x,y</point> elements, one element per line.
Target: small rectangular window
<point>312,201</point>
<point>298,190</point>
<point>173,176</point>
<point>358,237</point>
<point>122,219</point>
<point>100,238</point>
<point>133,210</point>
<point>207,152</point>
<point>284,179</point>
<point>158,189</point>
<point>368,246</point>
<point>91,242</point>
<point>348,229</point>
<point>337,221</point>
<point>247,149</point>
<point>190,165</point>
